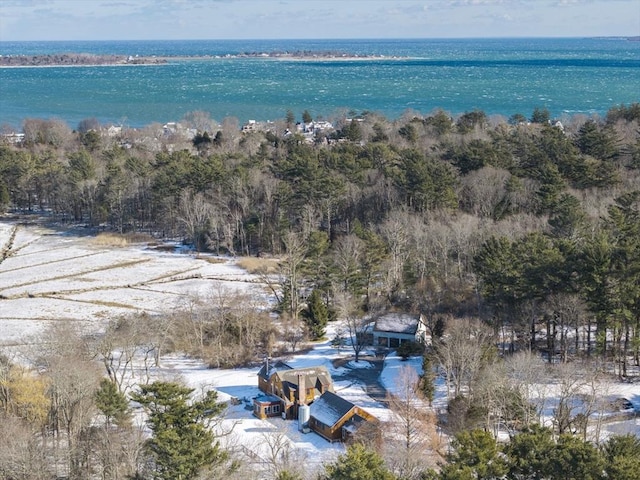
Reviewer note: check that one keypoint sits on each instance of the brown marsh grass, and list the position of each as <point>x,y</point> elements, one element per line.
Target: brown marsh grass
<point>110,239</point>
<point>255,265</point>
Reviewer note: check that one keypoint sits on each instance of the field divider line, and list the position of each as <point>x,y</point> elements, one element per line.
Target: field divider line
<point>79,274</point>
<point>145,288</point>
<point>23,246</point>
<point>47,250</point>
<point>40,319</point>
<point>99,303</point>
<point>175,276</point>
<point>7,249</point>
<point>238,280</point>
<point>60,294</point>
<point>35,265</point>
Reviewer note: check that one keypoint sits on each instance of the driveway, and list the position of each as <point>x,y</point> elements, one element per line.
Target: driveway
<point>369,377</point>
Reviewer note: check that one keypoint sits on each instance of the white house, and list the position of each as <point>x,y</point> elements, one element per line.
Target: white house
<point>392,329</point>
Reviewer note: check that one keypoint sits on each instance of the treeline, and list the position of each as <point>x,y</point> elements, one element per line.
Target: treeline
<point>530,225</point>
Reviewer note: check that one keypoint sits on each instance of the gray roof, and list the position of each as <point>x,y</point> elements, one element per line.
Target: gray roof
<point>273,368</point>
<point>314,377</point>
<point>267,398</point>
<point>397,323</point>
<point>330,408</point>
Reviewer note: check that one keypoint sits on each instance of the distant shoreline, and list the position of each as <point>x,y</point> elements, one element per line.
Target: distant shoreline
<point>75,60</point>
<point>91,60</point>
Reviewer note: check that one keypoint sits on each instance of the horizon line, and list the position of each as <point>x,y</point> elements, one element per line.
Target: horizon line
<point>330,38</point>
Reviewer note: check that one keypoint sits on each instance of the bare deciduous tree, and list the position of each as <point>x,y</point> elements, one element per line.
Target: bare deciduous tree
<point>22,454</point>
<point>201,121</point>
<point>281,456</point>
<point>71,391</point>
<point>348,251</point>
<point>356,323</point>
<point>411,435</point>
<point>290,274</point>
<point>395,231</point>
<point>461,353</point>
<point>194,212</point>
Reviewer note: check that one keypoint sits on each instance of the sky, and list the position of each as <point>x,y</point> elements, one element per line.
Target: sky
<point>305,19</point>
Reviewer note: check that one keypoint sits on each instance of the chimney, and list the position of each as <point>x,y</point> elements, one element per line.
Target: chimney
<point>302,394</point>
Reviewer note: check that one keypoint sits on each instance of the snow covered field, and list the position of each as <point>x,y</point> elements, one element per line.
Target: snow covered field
<point>51,275</point>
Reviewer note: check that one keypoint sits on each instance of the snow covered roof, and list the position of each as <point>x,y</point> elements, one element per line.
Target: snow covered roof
<point>330,408</point>
<point>267,398</point>
<point>269,369</point>
<point>397,323</point>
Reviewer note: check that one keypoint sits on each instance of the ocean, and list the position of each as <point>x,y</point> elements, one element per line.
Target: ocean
<point>499,76</point>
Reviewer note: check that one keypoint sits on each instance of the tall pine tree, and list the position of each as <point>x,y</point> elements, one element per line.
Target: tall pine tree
<point>316,315</point>
<point>182,444</point>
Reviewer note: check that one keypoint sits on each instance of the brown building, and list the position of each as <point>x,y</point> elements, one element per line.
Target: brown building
<point>299,386</point>
<point>335,418</point>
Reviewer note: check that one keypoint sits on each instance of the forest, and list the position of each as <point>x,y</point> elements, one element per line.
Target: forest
<point>515,236</point>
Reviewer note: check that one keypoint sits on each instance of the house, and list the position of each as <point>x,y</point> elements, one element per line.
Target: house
<point>336,419</point>
<point>15,138</point>
<point>293,386</point>
<point>392,329</point>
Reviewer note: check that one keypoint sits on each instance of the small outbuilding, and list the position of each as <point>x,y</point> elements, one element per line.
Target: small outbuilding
<point>336,419</point>
<point>392,329</point>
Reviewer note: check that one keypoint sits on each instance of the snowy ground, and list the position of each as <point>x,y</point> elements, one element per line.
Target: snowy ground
<point>48,275</point>
<point>254,437</point>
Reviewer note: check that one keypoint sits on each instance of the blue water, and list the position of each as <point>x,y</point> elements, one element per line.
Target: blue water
<point>498,76</point>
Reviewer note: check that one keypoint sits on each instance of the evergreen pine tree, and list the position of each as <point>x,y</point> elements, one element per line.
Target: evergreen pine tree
<point>622,456</point>
<point>475,455</point>
<point>182,444</point>
<point>358,463</point>
<point>112,403</point>
<point>426,385</point>
<point>316,315</point>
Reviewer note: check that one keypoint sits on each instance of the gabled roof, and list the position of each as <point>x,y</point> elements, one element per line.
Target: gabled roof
<point>397,323</point>
<point>315,377</point>
<point>330,408</point>
<point>273,368</point>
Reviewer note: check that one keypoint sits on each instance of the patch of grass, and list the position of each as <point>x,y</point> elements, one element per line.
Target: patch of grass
<point>212,260</point>
<point>110,240</point>
<point>258,265</point>
<point>137,237</point>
